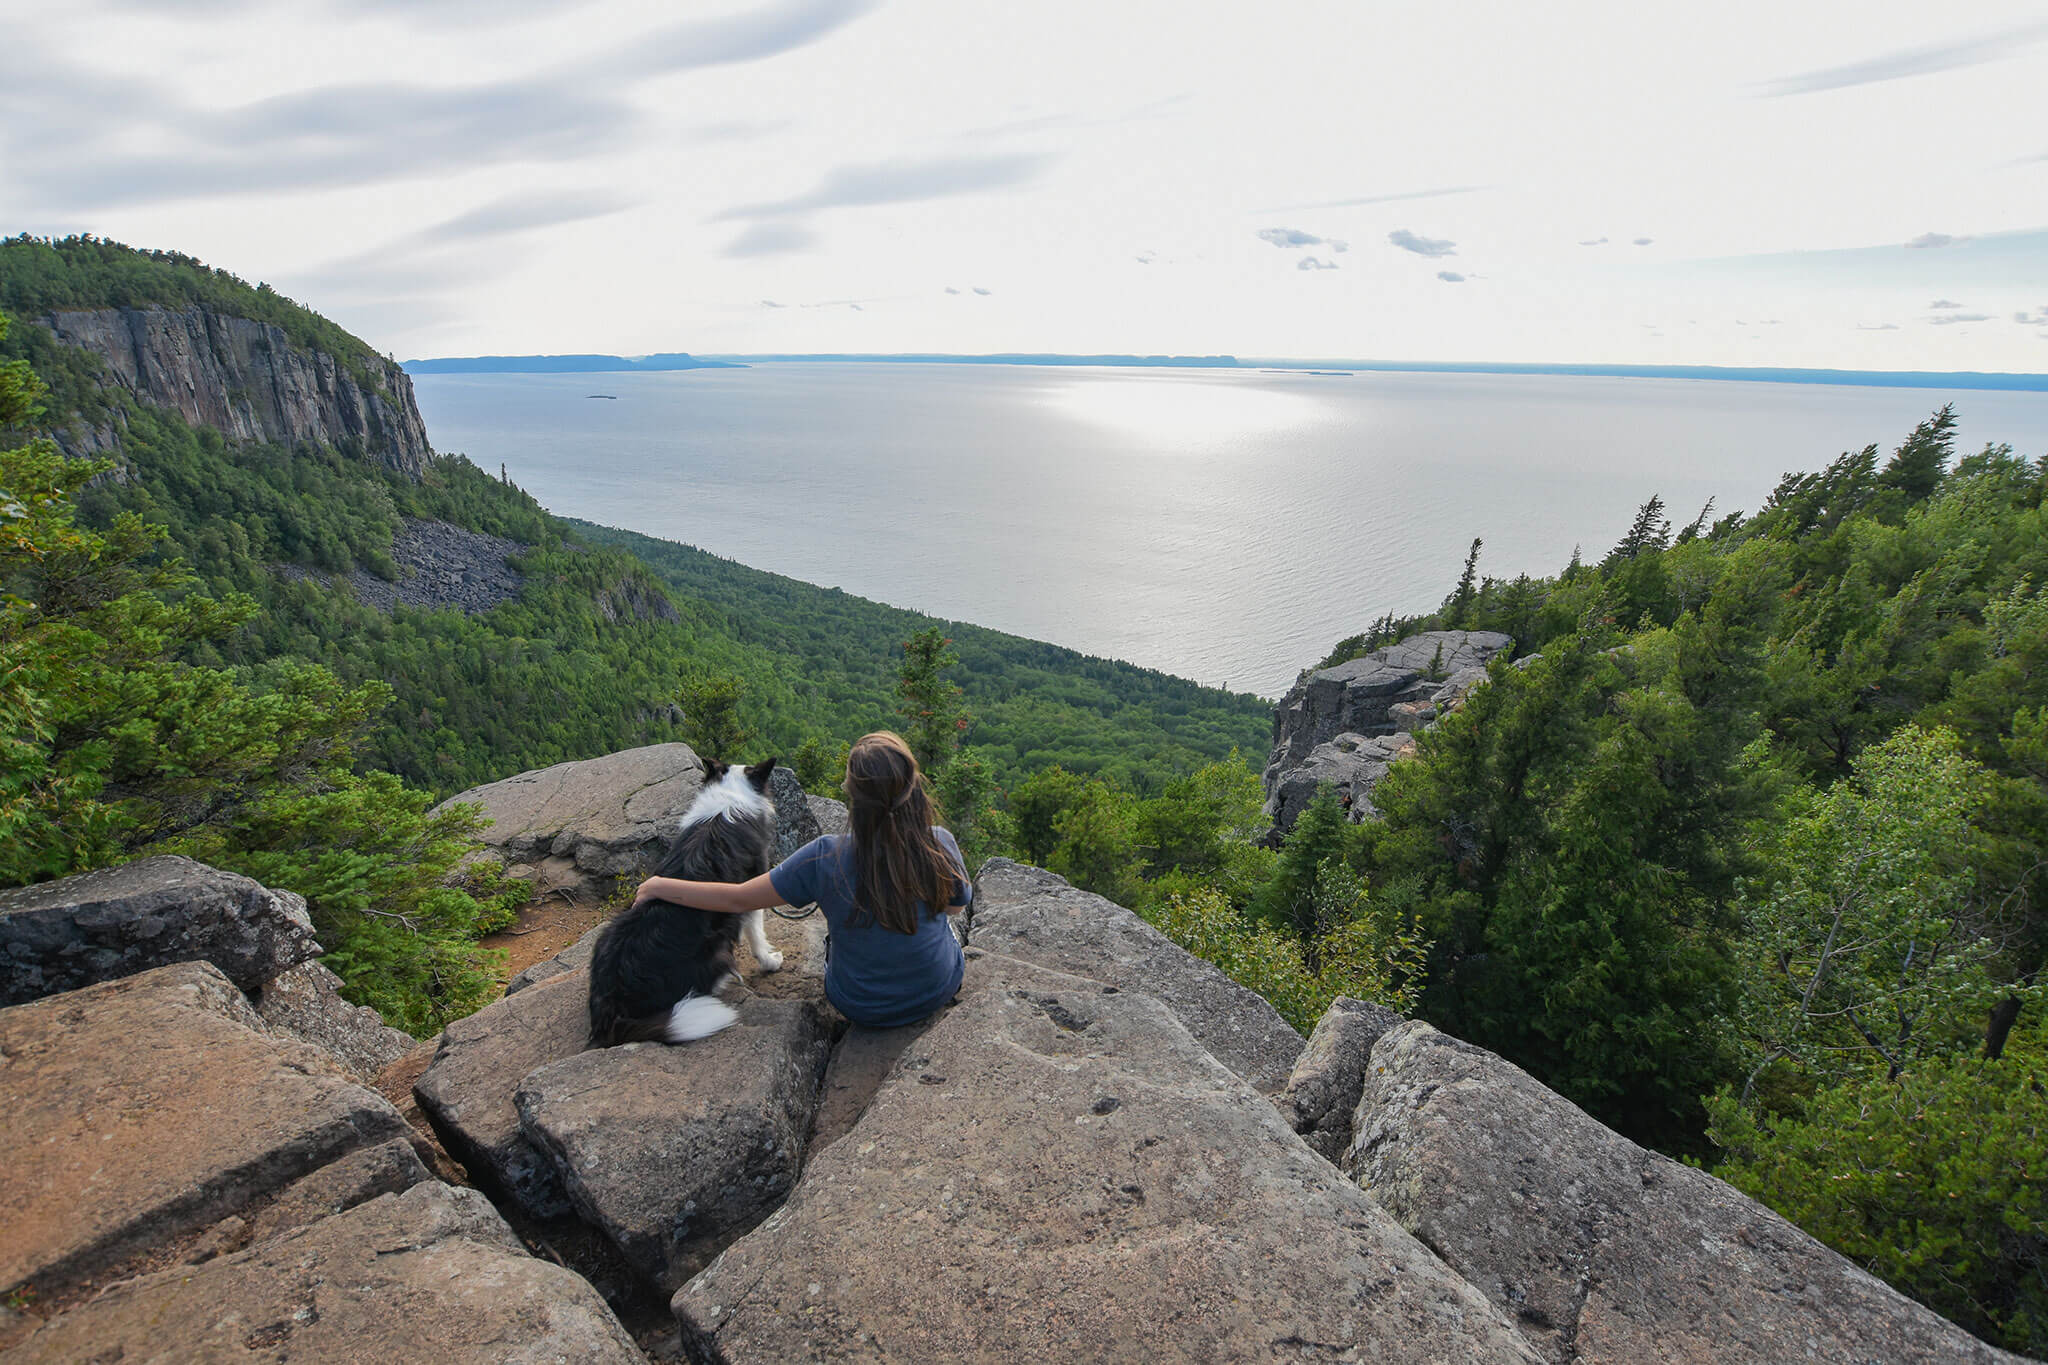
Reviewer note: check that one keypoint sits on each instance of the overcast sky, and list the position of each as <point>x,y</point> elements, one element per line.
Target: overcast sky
<point>1862,186</point>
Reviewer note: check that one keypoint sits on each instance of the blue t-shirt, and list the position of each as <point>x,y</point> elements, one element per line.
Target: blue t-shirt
<point>875,976</point>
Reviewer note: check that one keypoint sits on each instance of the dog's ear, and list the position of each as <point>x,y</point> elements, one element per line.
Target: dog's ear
<point>714,770</point>
<point>759,773</point>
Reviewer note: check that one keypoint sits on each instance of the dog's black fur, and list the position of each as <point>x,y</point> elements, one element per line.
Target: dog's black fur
<point>657,953</point>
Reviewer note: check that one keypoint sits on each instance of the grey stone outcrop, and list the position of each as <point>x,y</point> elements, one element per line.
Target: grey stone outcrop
<point>1329,1076</point>
<point>99,926</point>
<point>1603,1251</point>
<point>304,1002</point>
<point>673,1151</point>
<point>832,816</point>
<point>1059,1171</point>
<point>795,825</point>
<point>1027,913</point>
<point>249,381</point>
<point>1399,689</point>
<point>431,1275</point>
<point>584,825</point>
<point>1352,764</point>
<point>144,1109</point>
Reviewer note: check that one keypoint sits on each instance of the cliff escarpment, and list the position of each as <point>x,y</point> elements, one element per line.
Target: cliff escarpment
<point>248,380</point>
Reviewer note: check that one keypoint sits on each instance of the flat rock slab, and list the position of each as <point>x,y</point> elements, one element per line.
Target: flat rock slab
<point>431,1275</point>
<point>609,814</point>
<point>101,926</point>
<point>1329,1076</point>
<point>143,1109</point>
<point>1605,1251</point>
<point>1025,912</point>
<point>674,1151</point>
<point>1056,1173</point>
<point>466,1091</point>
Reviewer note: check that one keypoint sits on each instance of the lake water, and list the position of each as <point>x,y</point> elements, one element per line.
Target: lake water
<point>1228,526</point>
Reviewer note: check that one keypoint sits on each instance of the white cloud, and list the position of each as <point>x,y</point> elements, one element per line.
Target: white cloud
<point>1314,263</point>
<point>1934,239</point>
<point>1422,246</point>
<point>1450,277</point>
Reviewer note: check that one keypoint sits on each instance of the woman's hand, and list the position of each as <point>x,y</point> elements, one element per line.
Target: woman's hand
<point>649,890</point>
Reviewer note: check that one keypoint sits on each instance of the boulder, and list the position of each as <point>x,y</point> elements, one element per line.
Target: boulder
<point>674,1151</point>
<point>466,1091</point>
<point>1352,764</point>
<point>141,1110</point>
<point>1329,1075</point>
<point>431,1275</point>
<point>1602,1250</point>
<point>831,815</point>
<point>1027,913</point>
<point>304,1002</point>
<point>99,926</point>
<point>795,825</point>
<point>609,817</point>
<point>1058,1170</point>
<point>1402,687</point>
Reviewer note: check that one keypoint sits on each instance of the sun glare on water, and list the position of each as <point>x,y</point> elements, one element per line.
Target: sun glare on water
<point>1182,409</point>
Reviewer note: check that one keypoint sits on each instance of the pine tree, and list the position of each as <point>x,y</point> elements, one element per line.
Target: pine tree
<point>1455,615</point>
<point>928,700</point>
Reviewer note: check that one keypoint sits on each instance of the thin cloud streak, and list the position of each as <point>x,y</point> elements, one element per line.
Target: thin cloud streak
<point>1381,199</point>
<point>1912,61</point>
<point>897,182</point>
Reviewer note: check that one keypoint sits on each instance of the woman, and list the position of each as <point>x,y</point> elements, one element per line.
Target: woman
<point>891,958</point>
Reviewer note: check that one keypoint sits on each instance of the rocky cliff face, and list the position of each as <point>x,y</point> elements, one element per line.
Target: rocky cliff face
<point>1345,725</point>
<point>248,381</point>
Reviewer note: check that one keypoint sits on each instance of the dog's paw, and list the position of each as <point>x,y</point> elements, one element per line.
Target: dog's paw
<point>771,961</point>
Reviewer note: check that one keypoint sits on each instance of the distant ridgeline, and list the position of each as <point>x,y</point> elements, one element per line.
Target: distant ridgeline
<point>588,652</point>
<point>564,364</point>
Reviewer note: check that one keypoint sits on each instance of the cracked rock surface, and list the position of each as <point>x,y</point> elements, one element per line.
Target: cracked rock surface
<point>1600,1249</point>
<point>144,1109</point>
<point>1056,1171</point>
<point>429,1275</point>
<point>1027,913</point>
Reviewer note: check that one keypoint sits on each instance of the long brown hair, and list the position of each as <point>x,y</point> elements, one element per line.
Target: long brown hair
<point>897,859</point>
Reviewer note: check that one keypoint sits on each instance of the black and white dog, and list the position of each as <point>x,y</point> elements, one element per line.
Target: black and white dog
<point>657,965</point>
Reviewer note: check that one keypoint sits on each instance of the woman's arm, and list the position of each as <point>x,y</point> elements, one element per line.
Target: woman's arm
<point>730,898</point>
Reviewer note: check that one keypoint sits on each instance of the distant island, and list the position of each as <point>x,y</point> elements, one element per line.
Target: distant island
<point>563,364</point>
<point>1880,379</point>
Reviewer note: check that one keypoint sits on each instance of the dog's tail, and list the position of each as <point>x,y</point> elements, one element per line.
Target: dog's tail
<point>698,1016</point>
<point>691,1018</point>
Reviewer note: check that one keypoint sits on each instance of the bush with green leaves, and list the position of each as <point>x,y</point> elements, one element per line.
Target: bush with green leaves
<point>1931,1181</point>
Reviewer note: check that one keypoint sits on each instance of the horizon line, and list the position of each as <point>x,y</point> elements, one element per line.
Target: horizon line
<point>2020,381</point>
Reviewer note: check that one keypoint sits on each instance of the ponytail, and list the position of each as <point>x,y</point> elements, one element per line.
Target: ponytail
<point>898,861</point>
